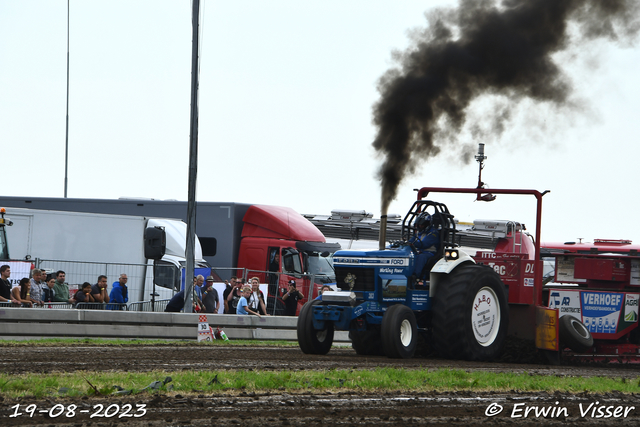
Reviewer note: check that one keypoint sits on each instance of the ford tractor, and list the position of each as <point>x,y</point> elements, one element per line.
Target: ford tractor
<point>459,302</point>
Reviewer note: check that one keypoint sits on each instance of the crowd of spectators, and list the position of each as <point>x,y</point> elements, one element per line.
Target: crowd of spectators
<point>42,288</point>
<point>237,298</point>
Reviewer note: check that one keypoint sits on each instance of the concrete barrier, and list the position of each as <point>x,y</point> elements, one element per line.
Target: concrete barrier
<point>74,323</point>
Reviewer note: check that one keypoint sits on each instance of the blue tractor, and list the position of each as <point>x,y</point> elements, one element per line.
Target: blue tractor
<point>458,306</point>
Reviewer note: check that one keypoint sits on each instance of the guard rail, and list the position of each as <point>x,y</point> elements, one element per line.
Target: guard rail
<point>24,323</point>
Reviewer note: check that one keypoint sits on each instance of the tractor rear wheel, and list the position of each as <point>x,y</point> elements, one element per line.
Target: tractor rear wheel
<point>574,334</point>
<point>399,332</point>
<point>310,340</point>
<point>470,314</point>
<point>367,343</point>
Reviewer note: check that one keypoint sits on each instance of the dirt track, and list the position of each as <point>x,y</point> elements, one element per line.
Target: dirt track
<point>281,408</point>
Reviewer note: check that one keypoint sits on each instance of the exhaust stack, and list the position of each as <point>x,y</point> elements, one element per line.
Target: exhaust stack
<point>383,232</point>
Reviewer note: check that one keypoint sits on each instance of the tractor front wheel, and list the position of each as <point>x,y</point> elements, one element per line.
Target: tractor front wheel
<point>399,332</point>
<point>310,340</point>
<point>470,314</point>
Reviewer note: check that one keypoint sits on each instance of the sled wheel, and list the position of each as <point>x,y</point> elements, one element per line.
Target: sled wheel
<point>470,314</point>
<point>399,332</point>
<point>574,334</point>
<point>310,340</point>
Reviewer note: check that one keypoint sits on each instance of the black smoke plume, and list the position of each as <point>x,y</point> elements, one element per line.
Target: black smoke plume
<point>483,47</point>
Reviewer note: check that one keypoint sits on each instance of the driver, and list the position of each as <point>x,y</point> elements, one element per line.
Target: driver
<point>426,242</point>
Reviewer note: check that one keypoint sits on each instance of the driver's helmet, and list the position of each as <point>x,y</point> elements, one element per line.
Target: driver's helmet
<point>423,221</point>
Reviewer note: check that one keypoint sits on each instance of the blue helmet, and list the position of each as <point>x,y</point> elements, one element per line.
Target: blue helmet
<point>423,221</point>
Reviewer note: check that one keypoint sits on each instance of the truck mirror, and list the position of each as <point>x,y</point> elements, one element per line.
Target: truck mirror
<point>155,242</point>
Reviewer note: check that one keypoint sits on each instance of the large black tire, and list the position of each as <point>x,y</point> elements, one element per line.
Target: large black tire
<point>399,332</point>
<point>310,340</point>
<point>470,314</point>
<point>367,343</point>
<point>574,334</point>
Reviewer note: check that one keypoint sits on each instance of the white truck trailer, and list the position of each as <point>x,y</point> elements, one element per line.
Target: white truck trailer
<point>86,245</point>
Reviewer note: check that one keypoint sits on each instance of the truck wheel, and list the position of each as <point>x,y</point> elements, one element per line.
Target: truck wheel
<point>367,343</point>
<point>574,334</point>
<point>399,332</point>
<point>310,340</point>
<point>470,314</point>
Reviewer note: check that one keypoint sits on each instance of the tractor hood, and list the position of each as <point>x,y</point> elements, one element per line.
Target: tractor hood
<point>276,222</point>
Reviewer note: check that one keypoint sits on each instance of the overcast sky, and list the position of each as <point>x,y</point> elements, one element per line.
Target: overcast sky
<point>286,94</point>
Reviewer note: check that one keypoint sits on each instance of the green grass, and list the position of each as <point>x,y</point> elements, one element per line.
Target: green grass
<point>54,342</point>
<point>233,382</point>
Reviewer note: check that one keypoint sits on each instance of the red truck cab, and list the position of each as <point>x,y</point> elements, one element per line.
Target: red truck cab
<point>303,253</point>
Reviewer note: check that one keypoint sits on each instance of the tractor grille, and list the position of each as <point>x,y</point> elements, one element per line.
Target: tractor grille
<point>364,278</point>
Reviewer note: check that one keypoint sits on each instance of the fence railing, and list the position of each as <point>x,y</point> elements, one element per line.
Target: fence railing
<point>101,306</point>
<point>78,272</point>
<point>54,305</point>
<point>152,306</point>
<point>136,306</point>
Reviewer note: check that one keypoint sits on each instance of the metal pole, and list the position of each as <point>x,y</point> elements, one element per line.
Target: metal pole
<point>193,163</point>
<point>66,140</point>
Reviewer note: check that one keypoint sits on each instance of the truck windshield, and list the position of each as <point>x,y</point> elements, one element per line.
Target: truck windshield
<point>321,267</point>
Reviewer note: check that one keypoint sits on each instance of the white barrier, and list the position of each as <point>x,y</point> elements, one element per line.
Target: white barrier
<point>25,322</point>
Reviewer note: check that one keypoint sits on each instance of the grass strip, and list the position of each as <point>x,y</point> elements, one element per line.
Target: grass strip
<point>233,382</point>
<point>57,342</point>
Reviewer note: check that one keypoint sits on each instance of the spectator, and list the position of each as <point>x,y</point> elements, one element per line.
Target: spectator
<point>324,288</point>
<point>233,297</point>
<point>198,281</point>
<point>291,299</point>
<point>48,294</point>
<point>176,303</point>
<point>84,293</point>
<point>243,304</point>
<point>22,293</point>
<point>99,290</point>
<point>119,293</point>
<point>256,299</point>
<point>230,287</point>
<point>37,286</point>
<point>5,285</point>
<point>210,299</point>
<point>62,289</point>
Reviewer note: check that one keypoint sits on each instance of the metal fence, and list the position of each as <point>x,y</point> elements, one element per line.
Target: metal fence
<point>275,305</point>
<point>148,306</point>
<point>53,305</point>
<point>157,305</point>
<point>101,306</point>
<point>78,272</point>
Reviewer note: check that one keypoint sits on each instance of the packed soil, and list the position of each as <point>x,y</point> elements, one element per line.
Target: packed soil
<point>280,407</point>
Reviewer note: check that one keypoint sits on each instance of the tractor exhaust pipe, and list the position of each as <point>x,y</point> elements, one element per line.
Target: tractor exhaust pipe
<point>383,232</point>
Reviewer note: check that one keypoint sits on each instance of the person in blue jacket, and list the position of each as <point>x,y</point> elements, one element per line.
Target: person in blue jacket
<point>119,293</point>
<point>425,242</point>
